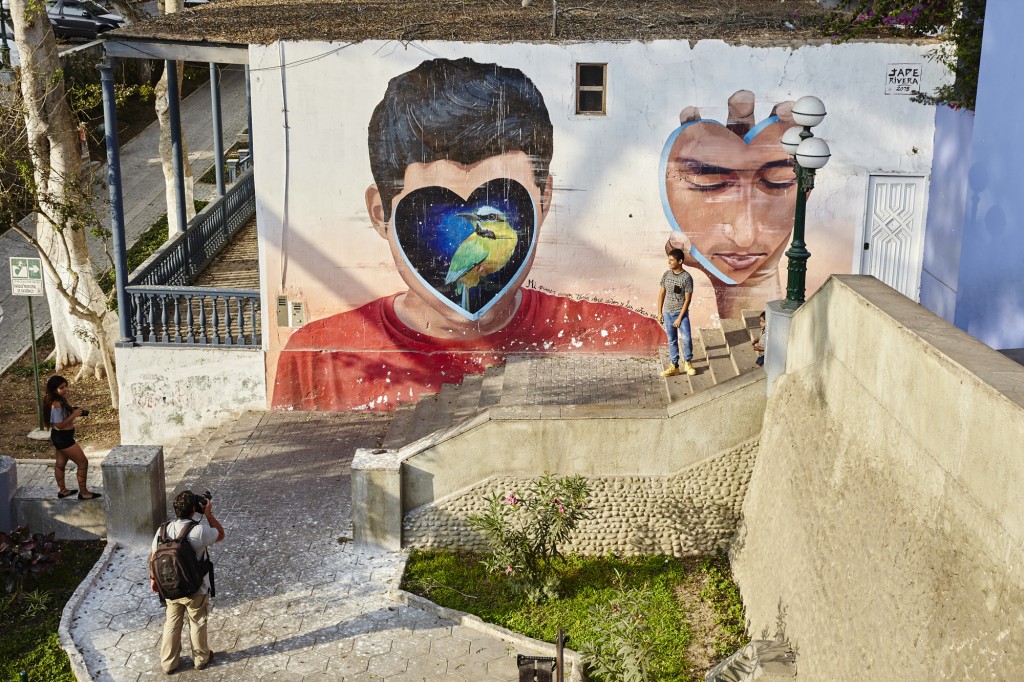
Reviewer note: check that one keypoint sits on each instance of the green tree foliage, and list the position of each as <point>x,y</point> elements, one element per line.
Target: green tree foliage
<point>959,22</point>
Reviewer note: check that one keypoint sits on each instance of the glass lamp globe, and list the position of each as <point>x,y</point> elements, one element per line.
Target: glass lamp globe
<point>808,111</point>
<point>813,153</point>
<point>791,140</point>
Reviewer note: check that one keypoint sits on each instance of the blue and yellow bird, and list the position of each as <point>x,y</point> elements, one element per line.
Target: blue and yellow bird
<point>485,251</point>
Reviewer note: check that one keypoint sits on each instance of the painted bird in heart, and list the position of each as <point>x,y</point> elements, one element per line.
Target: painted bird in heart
<point>482,253</point>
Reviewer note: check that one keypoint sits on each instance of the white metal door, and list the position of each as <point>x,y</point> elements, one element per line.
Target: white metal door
<point>894,232</point>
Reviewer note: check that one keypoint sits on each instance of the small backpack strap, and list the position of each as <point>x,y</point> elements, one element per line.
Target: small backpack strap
<point>163,532</point>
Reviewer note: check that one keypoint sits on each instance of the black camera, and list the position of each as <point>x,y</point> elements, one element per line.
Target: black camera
<point>202,500</point>
<point>84,412</point>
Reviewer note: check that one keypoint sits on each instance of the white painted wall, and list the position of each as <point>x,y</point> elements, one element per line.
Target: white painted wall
<point>168,393</point>
<point>606,234</point>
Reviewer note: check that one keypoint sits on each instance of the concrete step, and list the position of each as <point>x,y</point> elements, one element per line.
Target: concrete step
<point>446,401</point>
<point>492,386</point>
<point>516,383</point>
<point>681,385</point>
<point>717,353</point>
<point>741,352</point>
<point>402,426</point>
<point>468,401</point>
<point>752,321</point>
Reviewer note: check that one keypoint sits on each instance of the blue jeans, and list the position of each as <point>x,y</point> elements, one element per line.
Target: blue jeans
<point>674,334</point>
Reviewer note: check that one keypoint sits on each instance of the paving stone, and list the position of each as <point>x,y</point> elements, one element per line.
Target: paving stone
<point>428,665</point>
<point>449,647</point>
<point>469,667</point>
<point>408,643</point>
<point>503,668</point>
<point>307,662</point>
<point>404,677</point>
<point>348,664</point>
<point>387,664</point>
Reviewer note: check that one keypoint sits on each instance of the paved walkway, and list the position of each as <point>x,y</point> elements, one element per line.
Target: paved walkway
<point>143,194</point>
<point>296,601</point>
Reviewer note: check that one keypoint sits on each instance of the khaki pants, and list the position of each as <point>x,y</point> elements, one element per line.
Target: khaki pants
<point>197,607</point>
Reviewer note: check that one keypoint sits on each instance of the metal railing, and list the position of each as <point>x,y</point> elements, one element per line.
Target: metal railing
<point>204,316</point>
<point>166,310</point>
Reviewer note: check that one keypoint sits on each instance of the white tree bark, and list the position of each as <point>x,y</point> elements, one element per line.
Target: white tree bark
<point>84,330</point>
<point>166,159</point>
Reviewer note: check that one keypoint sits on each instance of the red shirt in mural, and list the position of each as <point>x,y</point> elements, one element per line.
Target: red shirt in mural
<point>368,359</point>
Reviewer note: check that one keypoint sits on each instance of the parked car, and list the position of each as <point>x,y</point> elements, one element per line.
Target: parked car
<point>189,4</point>
<point>81,18</point>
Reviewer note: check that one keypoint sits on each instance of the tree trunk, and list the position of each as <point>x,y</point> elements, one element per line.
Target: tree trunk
<point>78,310</point>
<point>166,159</point>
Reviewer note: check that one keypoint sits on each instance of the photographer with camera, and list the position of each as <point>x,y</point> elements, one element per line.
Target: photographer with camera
<point>60,417</point>
<point>181,572</point>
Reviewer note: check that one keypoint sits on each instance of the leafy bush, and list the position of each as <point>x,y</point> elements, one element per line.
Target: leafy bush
<point>24,556</point>
<point>524,530</point>
<point>622,646</point>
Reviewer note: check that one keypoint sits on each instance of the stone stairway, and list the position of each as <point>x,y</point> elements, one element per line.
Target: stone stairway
<point>721,352</point>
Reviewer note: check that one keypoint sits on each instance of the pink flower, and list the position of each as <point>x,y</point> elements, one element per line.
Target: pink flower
<point>561,509</point>
<point>512,499</point>
<point>510,570</point>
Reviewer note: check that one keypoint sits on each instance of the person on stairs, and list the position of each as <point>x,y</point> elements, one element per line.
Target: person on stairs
<point>60,417</point>
<point>674,304</point>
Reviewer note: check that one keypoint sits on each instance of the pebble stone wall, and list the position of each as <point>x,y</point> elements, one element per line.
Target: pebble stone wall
<point>695,511</point>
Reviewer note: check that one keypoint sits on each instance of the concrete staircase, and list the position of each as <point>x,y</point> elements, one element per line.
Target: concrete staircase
<point>721,352</point>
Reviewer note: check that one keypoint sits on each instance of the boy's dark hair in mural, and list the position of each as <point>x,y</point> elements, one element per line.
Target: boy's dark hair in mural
<point>459,110</point>
<point>460,155</point>
<point>729,193</point>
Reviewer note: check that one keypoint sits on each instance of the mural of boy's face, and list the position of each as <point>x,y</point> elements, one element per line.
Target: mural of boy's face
<point>734,200</point>
<point>463,236</point>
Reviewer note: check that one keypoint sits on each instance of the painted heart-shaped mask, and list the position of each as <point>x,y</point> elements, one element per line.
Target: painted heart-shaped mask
<point>468,252</point>
<point>666,151</point>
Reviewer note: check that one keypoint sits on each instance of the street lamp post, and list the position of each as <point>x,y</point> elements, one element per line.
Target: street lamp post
<point>809,154</point>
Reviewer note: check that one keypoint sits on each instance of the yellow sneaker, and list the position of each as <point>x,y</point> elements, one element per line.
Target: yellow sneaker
<point>688,368</point>
<point>671,371</point>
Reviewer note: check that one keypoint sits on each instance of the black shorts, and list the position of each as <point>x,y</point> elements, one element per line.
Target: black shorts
<point>62,440</point>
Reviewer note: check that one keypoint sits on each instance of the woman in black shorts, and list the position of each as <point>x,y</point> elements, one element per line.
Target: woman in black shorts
<point>60,417</point>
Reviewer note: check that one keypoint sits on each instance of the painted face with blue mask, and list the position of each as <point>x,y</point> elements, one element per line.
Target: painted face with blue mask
<point>463,238</point>
<point>730,191</point>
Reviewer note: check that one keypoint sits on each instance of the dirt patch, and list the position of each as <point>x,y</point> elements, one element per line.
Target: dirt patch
<point>242,22</point>
<point>99,431</point>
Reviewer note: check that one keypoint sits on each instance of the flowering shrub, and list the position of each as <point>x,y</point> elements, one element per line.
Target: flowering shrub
<point>960,22</point>
<point>524,530</point>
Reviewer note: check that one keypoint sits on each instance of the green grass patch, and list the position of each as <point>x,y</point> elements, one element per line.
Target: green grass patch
<point>144,247</point>
<point>28,638</point>
<point>459,581</point>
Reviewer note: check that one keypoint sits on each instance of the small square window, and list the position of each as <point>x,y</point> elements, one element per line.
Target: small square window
<point>591,86</point>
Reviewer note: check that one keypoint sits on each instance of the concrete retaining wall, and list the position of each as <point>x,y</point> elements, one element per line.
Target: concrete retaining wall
<point>884,515</point>
<point>168,393</point>
<point>683,471</point>
<point>692,512</point>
